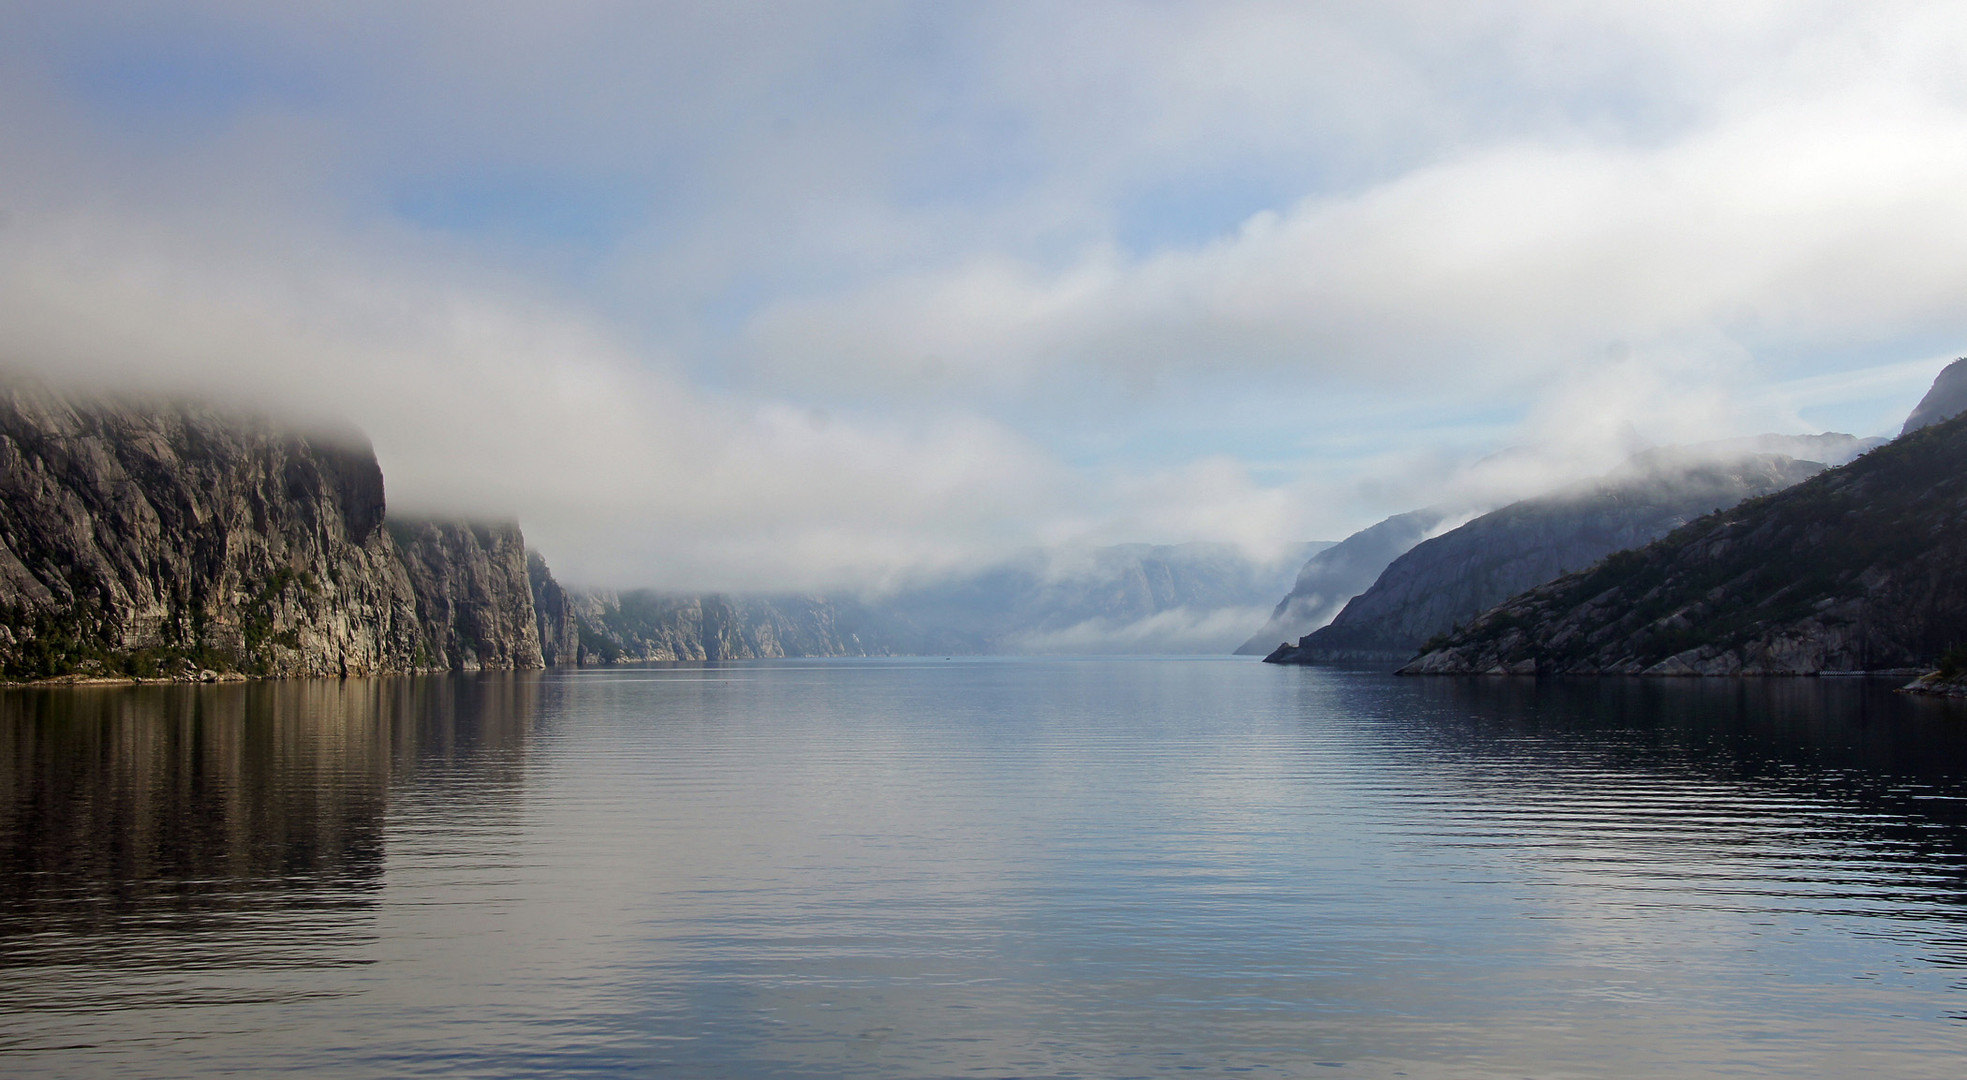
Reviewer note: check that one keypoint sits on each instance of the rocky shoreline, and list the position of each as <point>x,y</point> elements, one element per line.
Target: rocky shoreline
<point>189,678</point>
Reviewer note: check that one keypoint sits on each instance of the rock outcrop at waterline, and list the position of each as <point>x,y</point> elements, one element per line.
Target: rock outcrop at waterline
<point>173,540</point>
<point>1861,568</point>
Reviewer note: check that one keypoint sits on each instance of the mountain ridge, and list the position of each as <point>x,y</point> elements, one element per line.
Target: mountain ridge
<point>1332,577</point>
<point>1451,578</point>
<point>1862,568</point>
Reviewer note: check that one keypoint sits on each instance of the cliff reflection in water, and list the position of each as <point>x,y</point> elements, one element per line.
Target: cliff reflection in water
<point>1036,867</point>
<point>1820,731</point>
<point>1782,793</point>
<point>242,820</point>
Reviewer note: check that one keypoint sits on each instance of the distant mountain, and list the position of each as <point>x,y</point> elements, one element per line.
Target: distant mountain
<point>1861,568</point>
<point>602,626</point>
<point>1127,598</point>
<point>1337,574</point>
<point>1460,574</point>
<point>1831,449</point>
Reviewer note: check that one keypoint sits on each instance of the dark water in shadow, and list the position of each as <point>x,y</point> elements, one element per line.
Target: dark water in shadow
<point>989,868</point>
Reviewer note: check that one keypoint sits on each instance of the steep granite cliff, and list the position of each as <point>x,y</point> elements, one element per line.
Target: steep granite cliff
<point>174,540</point>
<point>1458,575</point>
<point>1861,568</point>
<point>474,594</point>
<point>553,610</point>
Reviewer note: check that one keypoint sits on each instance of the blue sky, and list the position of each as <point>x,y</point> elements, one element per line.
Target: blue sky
<point>804,295</point>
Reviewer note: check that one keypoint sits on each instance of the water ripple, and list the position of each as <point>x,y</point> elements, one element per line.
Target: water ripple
<point>1040,868</point>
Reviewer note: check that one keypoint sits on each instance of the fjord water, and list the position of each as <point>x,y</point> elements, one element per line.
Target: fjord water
<point>982,868</point>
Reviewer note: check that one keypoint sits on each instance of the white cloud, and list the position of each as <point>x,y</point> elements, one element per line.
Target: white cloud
<point>1823,224</point>
<point>792,296</point>
<point>480,403</point>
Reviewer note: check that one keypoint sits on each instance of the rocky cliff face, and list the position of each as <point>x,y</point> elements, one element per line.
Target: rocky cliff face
<point>1456,576</point>
<point>473,593</point>
<point>1861,568</point>
<point>1335,575</point>
<point>168,540</point>
<point>553,611</point>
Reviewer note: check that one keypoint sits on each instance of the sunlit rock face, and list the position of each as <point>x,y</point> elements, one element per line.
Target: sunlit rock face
<point>1945,400</point>
<point>1861,568</point>
<point>175,540</point>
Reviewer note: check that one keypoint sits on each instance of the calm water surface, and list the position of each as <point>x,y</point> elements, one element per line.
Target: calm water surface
<point>1032,868</point>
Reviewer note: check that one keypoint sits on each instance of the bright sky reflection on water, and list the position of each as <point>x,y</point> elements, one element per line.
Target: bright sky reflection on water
<point>990,868</point>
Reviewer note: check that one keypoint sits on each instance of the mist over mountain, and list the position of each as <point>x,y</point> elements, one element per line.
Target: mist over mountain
<point>150,538</point>
<point>1125,598</point>
<point>1857,569</point>
<point>711,301</point>
<point>583,627</point>
<point>1453,577</point>
<point>1337,574</point>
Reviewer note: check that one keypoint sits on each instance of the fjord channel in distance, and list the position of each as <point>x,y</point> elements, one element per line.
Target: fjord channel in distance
<point>1036,867</point>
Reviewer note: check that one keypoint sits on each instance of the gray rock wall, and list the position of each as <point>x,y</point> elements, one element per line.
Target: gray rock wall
<point>553,611</point>
<point>473,593</point>
<point>169,539</point>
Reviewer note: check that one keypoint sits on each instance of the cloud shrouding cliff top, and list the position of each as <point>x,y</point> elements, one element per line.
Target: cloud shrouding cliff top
<point>805,295</point>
